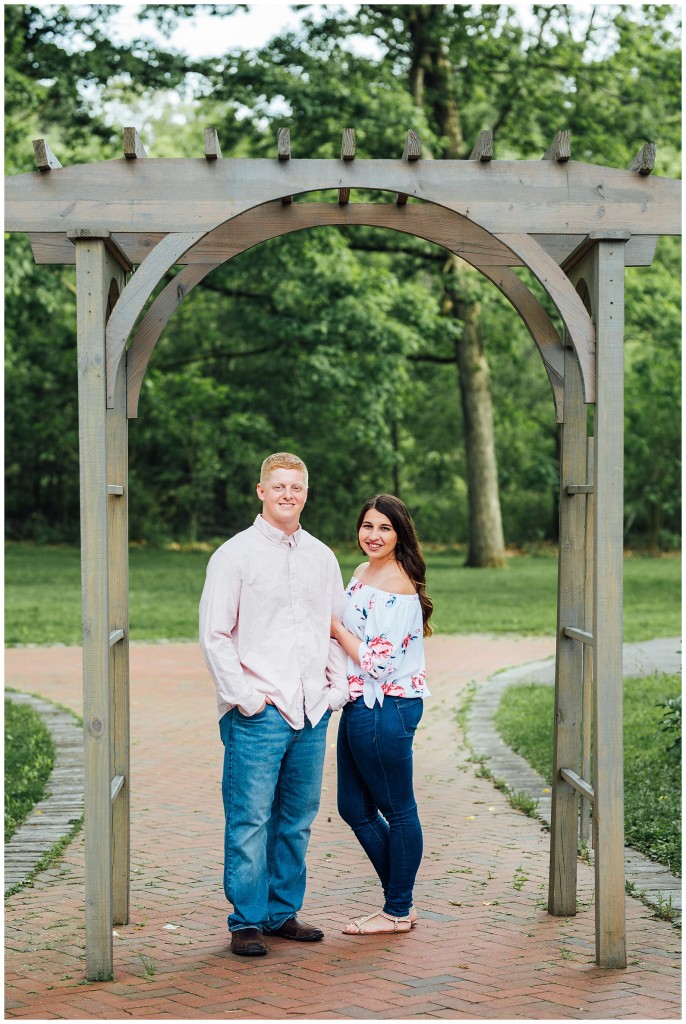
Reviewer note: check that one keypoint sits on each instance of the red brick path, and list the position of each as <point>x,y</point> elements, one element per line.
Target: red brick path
<point>484,948</point>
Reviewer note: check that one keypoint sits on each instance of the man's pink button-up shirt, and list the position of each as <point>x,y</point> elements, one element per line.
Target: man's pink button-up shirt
<point>265,617</point>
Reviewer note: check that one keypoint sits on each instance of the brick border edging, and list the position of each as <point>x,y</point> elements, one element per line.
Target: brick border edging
<point>655,884</point>
<point>52,818</point>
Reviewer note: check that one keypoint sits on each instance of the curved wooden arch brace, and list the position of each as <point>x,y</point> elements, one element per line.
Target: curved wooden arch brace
<point>567,302</point>
<point>136,294</point>
<point>443,227</point>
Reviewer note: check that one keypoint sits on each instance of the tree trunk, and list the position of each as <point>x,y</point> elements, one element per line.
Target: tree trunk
<point>486,540</point>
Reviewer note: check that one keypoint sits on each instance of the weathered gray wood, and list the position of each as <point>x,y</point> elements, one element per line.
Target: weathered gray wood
<point>117,788</point>
<point>347,153</point>
<point>582,635</point>
<point>135,295</point>
<point>115,636</point>
<point>607,290</point>
<point>445,228</point>
<point>585,831</point>
<point>579,488</point>
<point>587,245</point>
<point>411,152</point>
<point>644,161</point>
<point>560,149</point>
<point>569,660</point>
<point>43,156</point>
<point>483,147</point>
<point>118,576</point>
<point>212,147</point>
<point>133,147</point>
<point>191,194</point>
<point>569,305</point>
<point>115,488</point>
<point>283,143</point>
<point>92,284</point>
<point>577,783</point>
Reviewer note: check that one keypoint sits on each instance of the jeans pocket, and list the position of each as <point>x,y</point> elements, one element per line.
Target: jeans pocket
<point>410,711</point>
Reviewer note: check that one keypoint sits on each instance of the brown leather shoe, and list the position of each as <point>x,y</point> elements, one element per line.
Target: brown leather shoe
<point>248,942</point>
<point>296,929</point>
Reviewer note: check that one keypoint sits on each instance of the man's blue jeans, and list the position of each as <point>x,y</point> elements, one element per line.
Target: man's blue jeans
<point>271,786</point>
<point>374,755</point>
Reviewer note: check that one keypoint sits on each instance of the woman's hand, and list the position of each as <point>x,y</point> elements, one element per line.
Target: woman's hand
<point>336,627</point>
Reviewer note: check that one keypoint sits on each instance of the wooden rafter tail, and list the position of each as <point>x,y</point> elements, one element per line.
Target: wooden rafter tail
<point>644,161</point>
<point>411,152</point>
<point>560,149</point>
<point>283,151</point>
<point>483,148</point>
<point>347,154</point>
<point>212,147</point>
<point>44,156</point>
<point>133,147</point>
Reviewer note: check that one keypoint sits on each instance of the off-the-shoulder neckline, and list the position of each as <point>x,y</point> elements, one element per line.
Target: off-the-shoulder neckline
<point>391,593</point>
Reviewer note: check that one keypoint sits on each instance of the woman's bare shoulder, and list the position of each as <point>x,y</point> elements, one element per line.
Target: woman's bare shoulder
<point>359,573</point>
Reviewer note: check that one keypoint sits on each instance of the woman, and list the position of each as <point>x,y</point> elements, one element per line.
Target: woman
<point>384,624</point>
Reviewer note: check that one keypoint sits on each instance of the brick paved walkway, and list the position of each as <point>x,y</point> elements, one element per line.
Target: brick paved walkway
<point>485,946</point>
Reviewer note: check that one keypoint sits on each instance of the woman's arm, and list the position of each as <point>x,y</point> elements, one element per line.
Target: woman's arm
<point>348,641</point>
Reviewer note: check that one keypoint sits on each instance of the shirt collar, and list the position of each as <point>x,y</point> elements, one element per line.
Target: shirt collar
<point>277,536</point>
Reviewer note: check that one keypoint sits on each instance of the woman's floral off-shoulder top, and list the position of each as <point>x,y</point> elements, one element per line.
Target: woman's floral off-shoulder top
<point>391,653</point>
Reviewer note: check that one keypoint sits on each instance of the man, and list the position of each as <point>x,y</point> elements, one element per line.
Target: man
<point>265,617</point>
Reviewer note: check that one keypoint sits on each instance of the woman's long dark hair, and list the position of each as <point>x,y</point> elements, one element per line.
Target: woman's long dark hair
<point>408,551</point>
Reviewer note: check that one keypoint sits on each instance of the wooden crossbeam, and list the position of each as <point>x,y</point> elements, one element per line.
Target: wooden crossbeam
<point>283,151</point>
<point>582,635</point>
<point>44,156</point>
<point>483,147</point>
<point>115,489</point>
<point>212,147</point>
<point>644,161</point>
<point>283,143</point>
<point>115,636</point>
<point>560,149</point>
<point>133,147</point>
<point>411,152</point>
<point>347,153</point>
<point>579,488</point>
<point>116,787</point>
<point>577,783</point>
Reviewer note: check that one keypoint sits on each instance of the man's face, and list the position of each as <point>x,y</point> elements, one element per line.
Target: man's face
<point>283,496</point>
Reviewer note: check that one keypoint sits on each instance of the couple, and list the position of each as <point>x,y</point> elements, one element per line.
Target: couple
<point>285,647</point>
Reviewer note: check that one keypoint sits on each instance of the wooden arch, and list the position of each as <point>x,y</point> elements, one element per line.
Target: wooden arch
<point>567,222</point>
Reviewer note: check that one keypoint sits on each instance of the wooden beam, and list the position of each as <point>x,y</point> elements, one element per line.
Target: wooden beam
<point>577,783</point>
<point>212,147</point>
<point>483,148</point>
<point>193,195</point>
<point>579,488</point>
<point>44,157</point>
<point>283,144</point>
<point>117,785</point>
<point>560,149</point>
<point>348,154</point>
<point>582,635</point>
<point>115,489</point>
<point>133,147</point>
<point>411,152</point>
<point>644,161</point>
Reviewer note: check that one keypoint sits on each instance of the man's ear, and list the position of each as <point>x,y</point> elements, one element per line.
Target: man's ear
<point>260,492</point>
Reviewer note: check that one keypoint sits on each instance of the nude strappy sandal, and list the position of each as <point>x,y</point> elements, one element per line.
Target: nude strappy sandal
<point>360,922</point>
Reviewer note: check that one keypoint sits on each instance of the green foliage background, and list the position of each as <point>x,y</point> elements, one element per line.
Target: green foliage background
<point>325,341</point>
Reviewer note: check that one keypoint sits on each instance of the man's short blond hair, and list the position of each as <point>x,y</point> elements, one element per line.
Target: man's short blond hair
<point>282,460</point>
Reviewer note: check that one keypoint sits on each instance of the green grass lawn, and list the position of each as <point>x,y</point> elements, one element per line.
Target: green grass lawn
<point>29,757</point>
<point>652,775</point>
<point>43,594</point>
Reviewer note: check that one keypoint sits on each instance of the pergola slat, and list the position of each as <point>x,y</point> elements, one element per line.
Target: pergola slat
<point>212,147</point>
<point>347,153</point>
<point>483,147</point>
<point>644,161</point>
<point>283,152</point>
<point>133,147</point>
<point>411,152</point>
<point>44,156</point>
<point>560,149</point>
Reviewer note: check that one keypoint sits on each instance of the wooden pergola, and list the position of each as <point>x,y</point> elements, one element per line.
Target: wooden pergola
<point>126,223</point>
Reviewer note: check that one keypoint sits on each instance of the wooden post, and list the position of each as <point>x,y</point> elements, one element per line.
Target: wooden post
<point>118,544</point>
<point>608,751</point>
<point>569,651</point>
<point>92,285</point>
<point>587,699</point>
